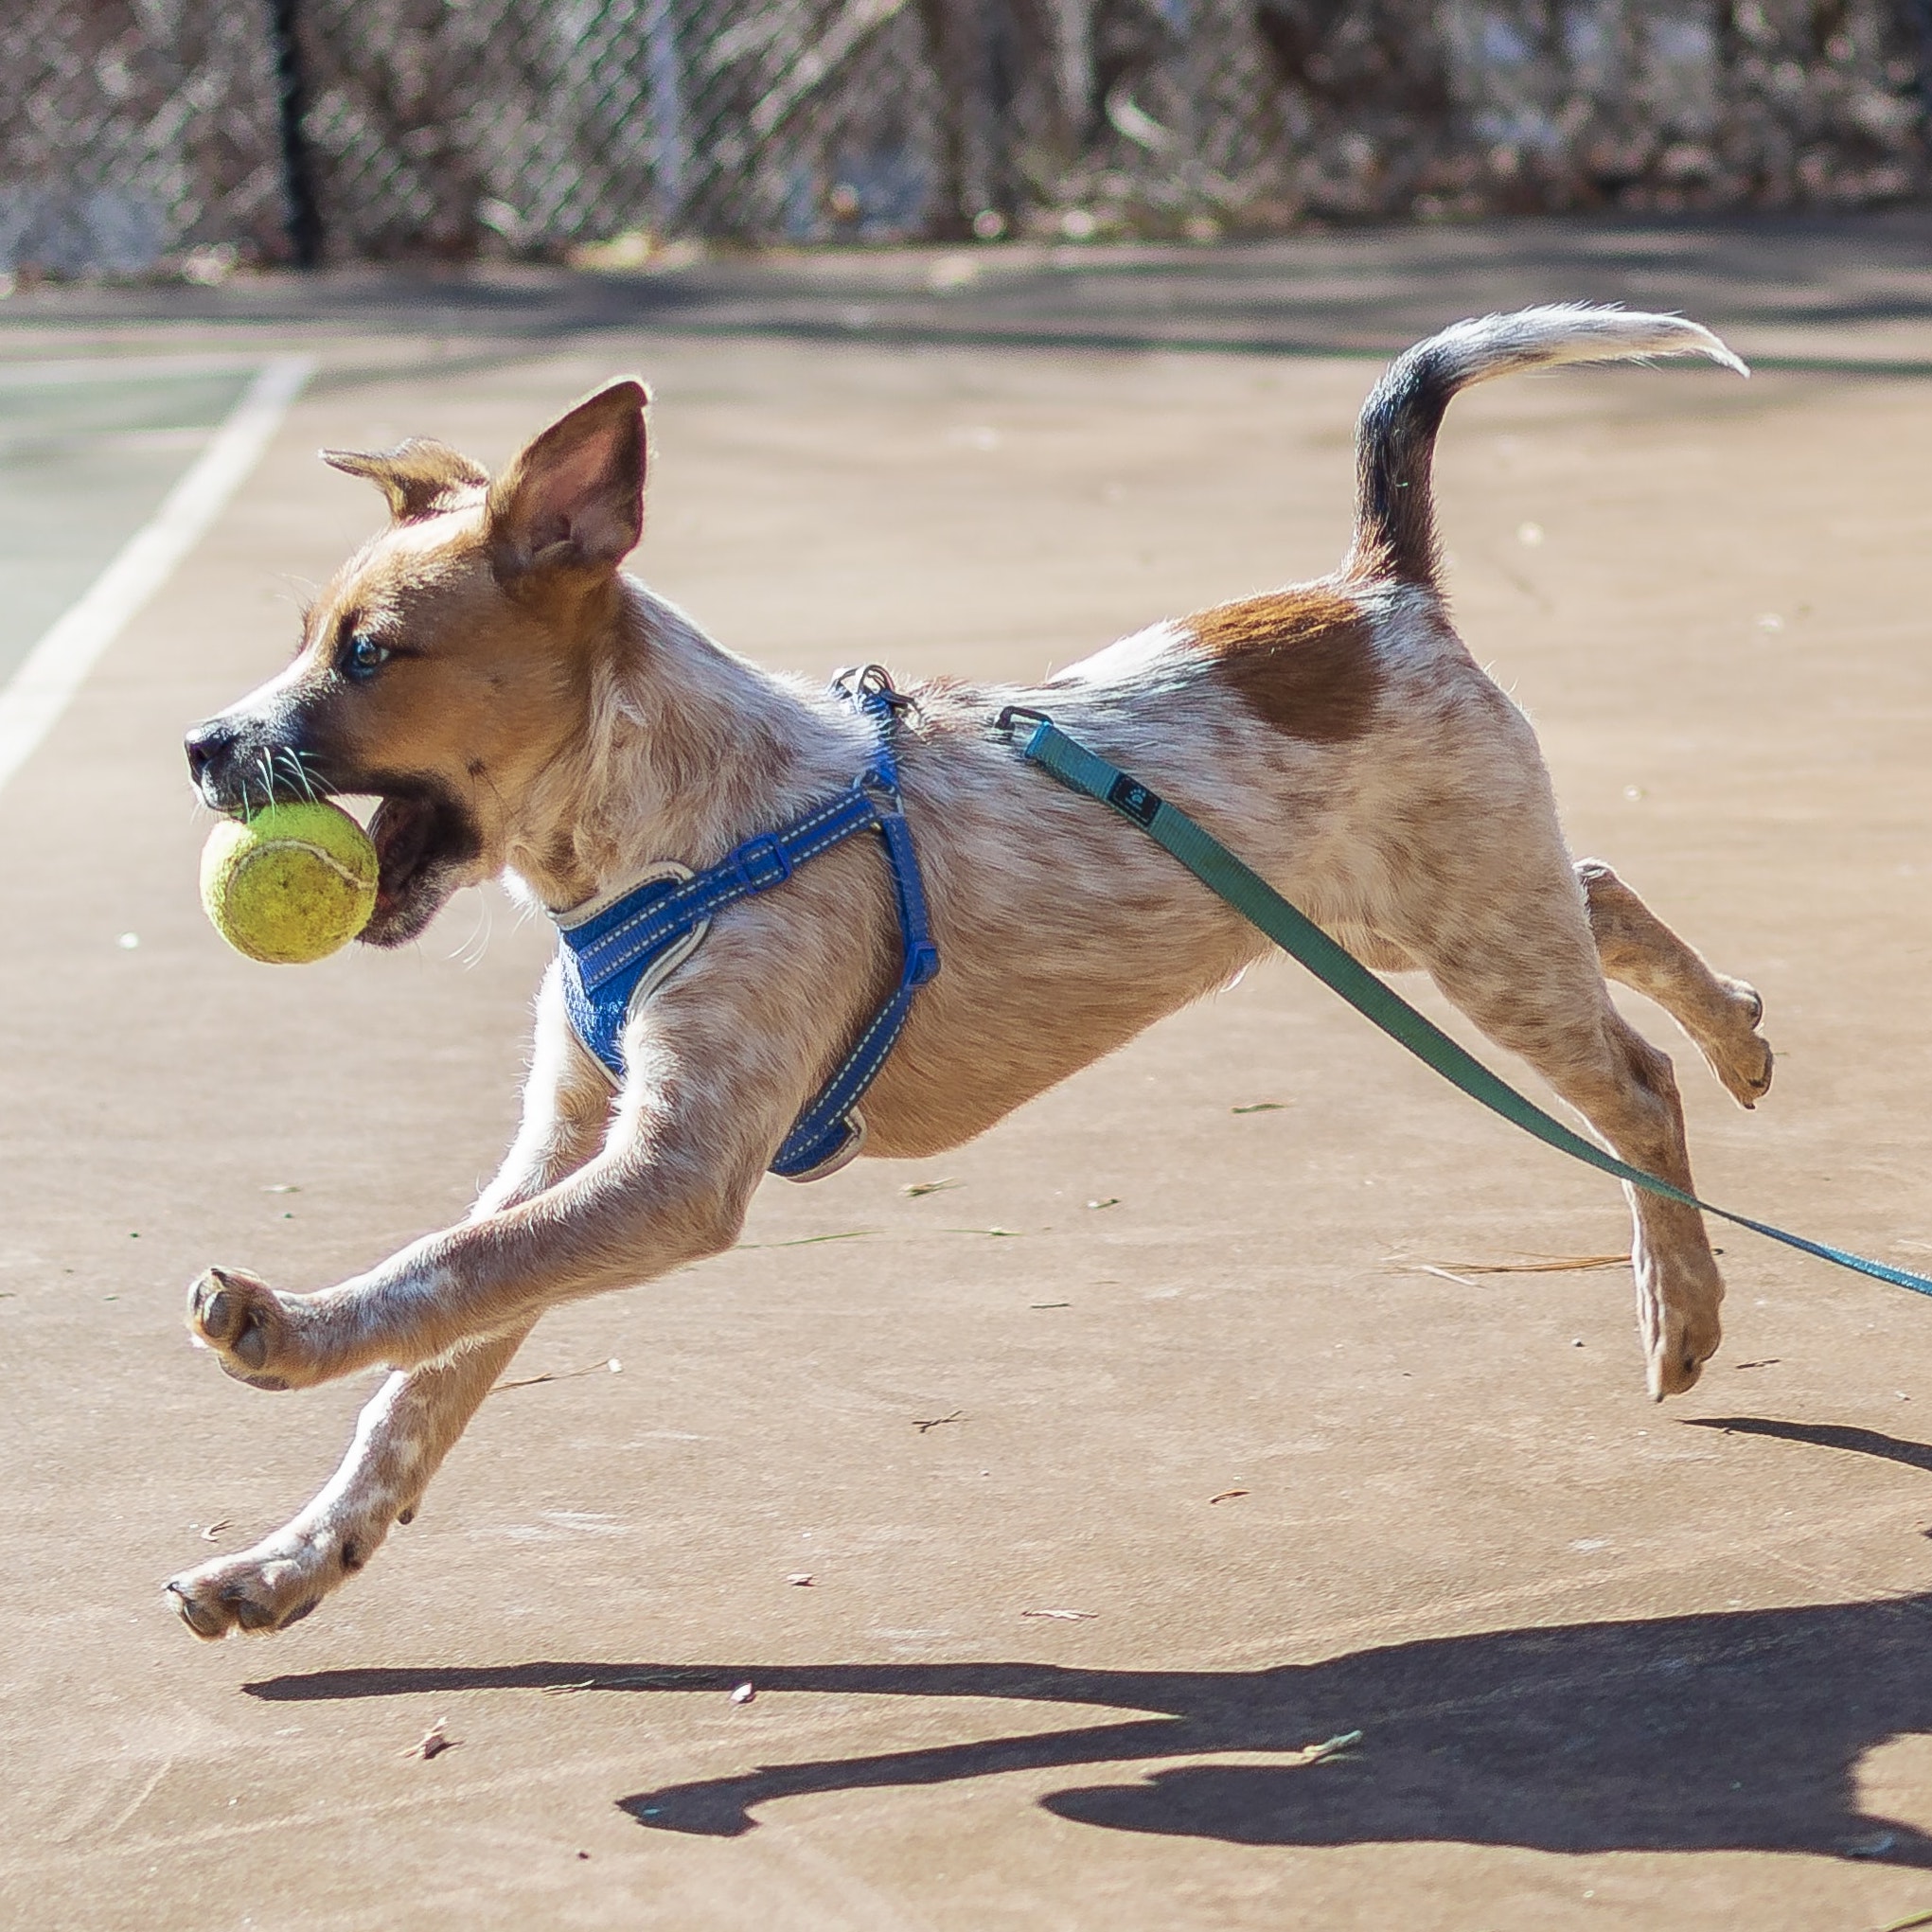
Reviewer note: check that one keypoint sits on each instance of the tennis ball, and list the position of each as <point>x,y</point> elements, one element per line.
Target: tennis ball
<point>291,885</point>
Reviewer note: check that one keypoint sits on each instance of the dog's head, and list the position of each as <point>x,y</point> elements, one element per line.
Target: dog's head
<point>450,661</point>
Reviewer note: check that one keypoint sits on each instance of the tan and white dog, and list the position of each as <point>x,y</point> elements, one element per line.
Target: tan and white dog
<point>522,707</point>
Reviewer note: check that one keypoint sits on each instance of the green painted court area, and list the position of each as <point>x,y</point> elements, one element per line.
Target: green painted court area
<point>87,454</point>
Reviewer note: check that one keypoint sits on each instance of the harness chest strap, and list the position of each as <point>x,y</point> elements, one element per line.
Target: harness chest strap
<point>616,954</point>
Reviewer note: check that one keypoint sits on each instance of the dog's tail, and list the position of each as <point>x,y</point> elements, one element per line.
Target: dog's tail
<point>1396,524</point>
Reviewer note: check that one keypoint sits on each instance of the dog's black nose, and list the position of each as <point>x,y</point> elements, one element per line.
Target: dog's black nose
<point>207,744</point>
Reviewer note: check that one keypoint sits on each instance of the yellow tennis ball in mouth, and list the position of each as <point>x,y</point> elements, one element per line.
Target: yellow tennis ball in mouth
<point>291,885</point>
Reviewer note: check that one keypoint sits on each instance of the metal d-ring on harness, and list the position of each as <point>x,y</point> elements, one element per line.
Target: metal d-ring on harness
<point>616,953</point>
<point>1086,771</point>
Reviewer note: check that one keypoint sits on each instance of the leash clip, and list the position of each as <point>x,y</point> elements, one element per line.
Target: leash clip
<point>1007,720</point>
<point>874,684</point>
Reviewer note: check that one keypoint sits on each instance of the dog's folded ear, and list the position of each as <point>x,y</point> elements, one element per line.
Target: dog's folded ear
<point>573,499</point>
<point>420,477</point>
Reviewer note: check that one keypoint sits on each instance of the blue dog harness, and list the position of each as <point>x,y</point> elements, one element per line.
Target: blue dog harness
<point>617,955</point>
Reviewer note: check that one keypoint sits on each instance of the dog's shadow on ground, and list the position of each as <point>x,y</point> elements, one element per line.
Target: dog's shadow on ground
<point>1738,1730</point>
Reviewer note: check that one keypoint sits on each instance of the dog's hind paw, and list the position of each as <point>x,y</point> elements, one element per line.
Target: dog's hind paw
<point>1739,1055</point>
<point>1677,1316</point>
<point>250,1329</point>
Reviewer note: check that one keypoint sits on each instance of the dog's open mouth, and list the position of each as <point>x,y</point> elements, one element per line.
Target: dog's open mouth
<point>423,842</point>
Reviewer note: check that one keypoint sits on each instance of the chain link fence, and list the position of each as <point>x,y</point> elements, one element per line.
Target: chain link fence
<point>132,130</point>
<point>185,136</point>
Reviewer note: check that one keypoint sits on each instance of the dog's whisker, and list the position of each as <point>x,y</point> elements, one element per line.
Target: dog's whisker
<point>298,768</point>
<point>469,953</point>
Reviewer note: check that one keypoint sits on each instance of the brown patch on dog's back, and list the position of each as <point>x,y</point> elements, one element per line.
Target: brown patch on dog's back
<point>1302,660</point>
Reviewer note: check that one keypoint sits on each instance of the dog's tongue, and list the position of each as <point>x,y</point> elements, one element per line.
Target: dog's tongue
<point>399,830</point>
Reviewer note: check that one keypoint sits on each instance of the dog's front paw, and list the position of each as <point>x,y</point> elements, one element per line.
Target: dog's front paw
<point>271,1587</point>
<point>250,1329</point>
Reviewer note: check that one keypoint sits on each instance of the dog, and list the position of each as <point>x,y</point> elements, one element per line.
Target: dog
<point>521,707</point>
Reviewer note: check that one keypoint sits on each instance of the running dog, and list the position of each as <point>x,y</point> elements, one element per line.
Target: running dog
<point>521,707</point>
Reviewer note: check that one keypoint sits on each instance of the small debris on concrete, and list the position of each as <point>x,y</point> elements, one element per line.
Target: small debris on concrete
<point>1063,1616</point>
<point>1050,1304</point>
<point>745,1693</point>
<point>800,1579</point>
<point>432,1743</point>
<point>1111,1201</point>
<point>1313,1754</point>
<point>1874,1847</point>
<point>215,1528</point>
<point>1442,1274</point>
<point>1227,1495</point>
<point>804,1240</point>
<point>611,1365</point>
<point>1261,1107</point>
<point>940,1421</point>
<point>917,1189</point>
<point>1543,1264</point>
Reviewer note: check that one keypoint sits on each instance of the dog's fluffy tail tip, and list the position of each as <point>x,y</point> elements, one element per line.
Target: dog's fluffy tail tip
<point>1702,341</point>
<point>1396,524</point>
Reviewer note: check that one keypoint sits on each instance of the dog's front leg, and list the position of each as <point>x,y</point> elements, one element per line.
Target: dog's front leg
<point>716,1083</point>
<point>414,1419</point>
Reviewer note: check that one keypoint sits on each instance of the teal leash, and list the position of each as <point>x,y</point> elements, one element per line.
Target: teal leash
<point>1085,772</point>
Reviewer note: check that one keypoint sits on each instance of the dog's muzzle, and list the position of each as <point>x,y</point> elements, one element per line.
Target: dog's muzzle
<point>211,747</point>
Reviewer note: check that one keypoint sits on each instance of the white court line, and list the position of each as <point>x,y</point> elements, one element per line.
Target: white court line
<point>57,666</point>
<point>37,375</point>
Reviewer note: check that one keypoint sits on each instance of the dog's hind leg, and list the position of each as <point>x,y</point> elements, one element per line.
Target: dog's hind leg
<point>1637,949</point>
<point>1719,1014</point>
<point>414,1419</point>
<point>1525,970</point>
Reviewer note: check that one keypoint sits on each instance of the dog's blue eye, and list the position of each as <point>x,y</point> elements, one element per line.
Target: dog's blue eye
<point>365,657</point>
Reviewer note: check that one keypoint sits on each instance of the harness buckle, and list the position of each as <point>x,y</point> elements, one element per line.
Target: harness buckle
<point>881,788</point>
<point>922,962</point>
<point>760,864</point>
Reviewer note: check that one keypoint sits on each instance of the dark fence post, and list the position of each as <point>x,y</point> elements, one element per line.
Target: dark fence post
<point>304,217</point>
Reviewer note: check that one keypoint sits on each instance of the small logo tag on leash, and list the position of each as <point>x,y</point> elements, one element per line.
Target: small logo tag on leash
<point>1130,796</point>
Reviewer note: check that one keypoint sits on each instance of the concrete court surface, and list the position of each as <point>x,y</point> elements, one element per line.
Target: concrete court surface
<point>1181,1425</point>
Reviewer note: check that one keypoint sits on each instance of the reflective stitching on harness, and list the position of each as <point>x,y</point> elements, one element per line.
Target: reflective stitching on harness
<point>617,952</point>
<point>809,1126</point>
<point>722,886</point>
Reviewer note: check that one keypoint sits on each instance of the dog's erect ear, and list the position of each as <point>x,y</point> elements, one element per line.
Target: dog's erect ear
<point>573,497</point>
<point>420,477</point>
